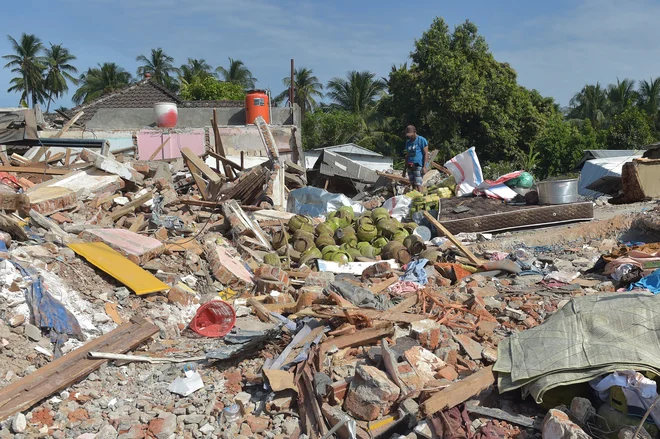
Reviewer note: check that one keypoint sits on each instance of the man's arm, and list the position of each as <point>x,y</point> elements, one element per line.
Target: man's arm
<point>425,158</point>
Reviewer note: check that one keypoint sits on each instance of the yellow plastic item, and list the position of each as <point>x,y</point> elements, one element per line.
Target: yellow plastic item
<point>116,265</point>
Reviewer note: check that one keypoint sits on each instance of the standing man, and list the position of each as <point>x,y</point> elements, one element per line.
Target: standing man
<point>417,157</point>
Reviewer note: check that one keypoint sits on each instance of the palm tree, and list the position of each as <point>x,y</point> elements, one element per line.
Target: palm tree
<point>237,74</point>
<point>590,103</point>
<point>306,88</point>
<point>160,66</point>
<point>621,95</point>
<point>99,81</point>
<point>59,72</point>
<point>357,93</point>
<point>195,68</point>
<point>649,95</point>
<point>29,65</point>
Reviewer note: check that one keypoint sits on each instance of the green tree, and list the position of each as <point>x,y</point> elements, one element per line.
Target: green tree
<point>306,89</point>
<point>621,95</point>
<point>209,88</point>
<point>237,73</point>
<point>99,81</point>
<point>632,129</point>
<point>561,145</point>
<point>590,103</point>
<point>195,68</point>
<point>60,72</point>
<point>27,62</point>
<point>160,66</point>
<point>649,96</point>
<point>321,129</point>
<point>357,93</point>
<point>458,95</point>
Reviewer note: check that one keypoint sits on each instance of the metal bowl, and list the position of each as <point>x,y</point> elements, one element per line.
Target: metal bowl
<point>558,191</point>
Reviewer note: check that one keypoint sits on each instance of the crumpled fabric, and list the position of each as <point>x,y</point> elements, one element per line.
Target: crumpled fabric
<point>359,296</point>
<point>650,282</point>
<point>403,288</point>
<point>415,272</point>
<point>46,312</point>
<point>452,424</point>
<point>634,257</point>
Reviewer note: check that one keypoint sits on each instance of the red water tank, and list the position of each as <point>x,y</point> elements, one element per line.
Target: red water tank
<point>256,104</point>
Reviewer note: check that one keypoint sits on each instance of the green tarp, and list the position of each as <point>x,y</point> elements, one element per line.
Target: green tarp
<point>588,337</point>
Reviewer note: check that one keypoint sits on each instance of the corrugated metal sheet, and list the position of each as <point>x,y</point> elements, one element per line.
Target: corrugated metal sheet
<point>349,148</point>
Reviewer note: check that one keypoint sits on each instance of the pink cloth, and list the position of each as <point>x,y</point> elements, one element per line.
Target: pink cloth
<point>403,288</point>
<point>635,257</point>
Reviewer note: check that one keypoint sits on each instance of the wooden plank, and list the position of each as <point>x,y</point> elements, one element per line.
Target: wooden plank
<point>441,168</point>
<point>459,392</point>
<point>159,149</point>
<point>138,223</point>
<point>452,238</point>
<point>71,368</point>
<point>68,125</point>
<point>502,415</point>
<point>130,207</point>
<point>201,171</point>
<point>67,157</point>
<point>377,288</point>
<point>4,158</point>
<point>360,338</point>
<point>261,311</point>
<point>225,160</point>
<point>34,170</point>
<point>20,160</point>
<point>394,177</point>
<point>40,152</point>
<point>53,158</point>
<point>406,304</point>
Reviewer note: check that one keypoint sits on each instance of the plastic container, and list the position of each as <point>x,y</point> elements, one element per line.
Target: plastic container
<point>256,104</point>
<point>214,319</point>
<point>166,114</point>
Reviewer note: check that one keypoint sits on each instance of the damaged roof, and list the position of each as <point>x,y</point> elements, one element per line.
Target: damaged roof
<point>349,148</point>
<point>143,94</point>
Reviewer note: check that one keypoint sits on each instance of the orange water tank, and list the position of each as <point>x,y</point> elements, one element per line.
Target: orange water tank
<point>256,104</point>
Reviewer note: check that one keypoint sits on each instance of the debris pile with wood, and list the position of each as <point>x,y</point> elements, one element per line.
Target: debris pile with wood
<point>163,299</point>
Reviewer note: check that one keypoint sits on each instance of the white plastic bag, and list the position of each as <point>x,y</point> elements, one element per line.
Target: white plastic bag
<point>398,206</point>
<point>466,169</point>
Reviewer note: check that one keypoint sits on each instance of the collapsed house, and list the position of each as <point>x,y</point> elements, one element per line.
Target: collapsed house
<point>190,282</point>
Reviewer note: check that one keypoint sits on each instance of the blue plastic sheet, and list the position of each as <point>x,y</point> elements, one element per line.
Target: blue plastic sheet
<point>415,272</point>
<point>48,313</point>
<point>650,282</point>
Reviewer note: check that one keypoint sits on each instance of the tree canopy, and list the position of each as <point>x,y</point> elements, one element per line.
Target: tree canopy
<point>209,88</point>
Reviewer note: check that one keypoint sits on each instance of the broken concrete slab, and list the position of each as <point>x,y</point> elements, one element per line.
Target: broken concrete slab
<point>85,183</point>
<point>371,394</point>
<point>137,248</point>
<point>47,200</point>
<point>112,166</point>
<point>471,347</point>
<point>228,269</point>
<point>425,362</point>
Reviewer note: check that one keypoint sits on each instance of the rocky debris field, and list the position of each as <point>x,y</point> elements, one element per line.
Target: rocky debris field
<point>347,323</point>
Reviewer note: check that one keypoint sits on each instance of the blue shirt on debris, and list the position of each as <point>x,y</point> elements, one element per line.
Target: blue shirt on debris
<point>415,150</point>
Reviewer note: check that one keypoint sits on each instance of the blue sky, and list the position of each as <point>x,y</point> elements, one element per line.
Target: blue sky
<point>555,46</point>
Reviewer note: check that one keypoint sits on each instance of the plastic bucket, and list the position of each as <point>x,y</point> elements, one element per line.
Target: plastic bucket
<point>214,319</point>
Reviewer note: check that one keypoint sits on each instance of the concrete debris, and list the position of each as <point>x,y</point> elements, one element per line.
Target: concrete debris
<point>411,355</point>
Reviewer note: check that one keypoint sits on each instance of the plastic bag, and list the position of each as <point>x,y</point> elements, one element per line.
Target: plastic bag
<point>466,169</point>
<point>398,207</point>
<point>317,202</point>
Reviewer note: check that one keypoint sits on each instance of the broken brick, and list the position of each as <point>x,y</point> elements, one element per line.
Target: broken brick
<point>47,200</point>
<point>427,332</point>
<point>371,394</point>
<point>228,270</point>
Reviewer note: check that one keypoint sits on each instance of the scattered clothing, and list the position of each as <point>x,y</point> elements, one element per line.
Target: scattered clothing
<point>650,282</point>
<point>415,272</point>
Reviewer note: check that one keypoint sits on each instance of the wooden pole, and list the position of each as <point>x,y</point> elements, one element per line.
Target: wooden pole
<point>291,89</point>
<point>452,238</point>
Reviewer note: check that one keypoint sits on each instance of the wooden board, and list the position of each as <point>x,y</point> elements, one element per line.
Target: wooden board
<point>71,368</point>
<point>452,238</point>
<point>460,391</point>
<point>34,170</point>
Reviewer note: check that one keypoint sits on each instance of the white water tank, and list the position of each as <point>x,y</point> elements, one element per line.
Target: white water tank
<point>166,114</point>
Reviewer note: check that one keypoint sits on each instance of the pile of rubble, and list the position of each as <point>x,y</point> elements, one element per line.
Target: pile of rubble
<point>154,299</point>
